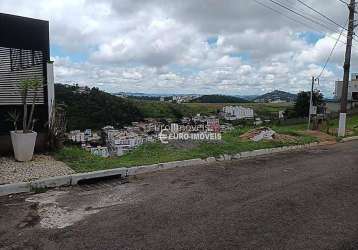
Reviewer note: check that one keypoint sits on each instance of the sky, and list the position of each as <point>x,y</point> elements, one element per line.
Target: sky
<point>232,47</point>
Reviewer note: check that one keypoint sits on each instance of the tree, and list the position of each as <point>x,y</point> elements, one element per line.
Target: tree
<point>302,105</point>
<point>94,108</point>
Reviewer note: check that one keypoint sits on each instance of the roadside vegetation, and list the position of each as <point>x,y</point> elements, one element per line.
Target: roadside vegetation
<point>82,161</point>
<point>103,109</point>
<point>352,126</point>
<point>93,108</point>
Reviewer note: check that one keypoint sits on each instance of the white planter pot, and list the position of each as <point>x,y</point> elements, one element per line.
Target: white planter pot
<point>23,145</point>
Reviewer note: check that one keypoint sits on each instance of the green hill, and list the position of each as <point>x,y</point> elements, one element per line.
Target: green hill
<point>277,95</point>
<point>219,99</point>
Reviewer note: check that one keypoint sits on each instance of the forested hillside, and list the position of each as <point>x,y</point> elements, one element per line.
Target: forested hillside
<point>92,108</point>
<point>219,99</point>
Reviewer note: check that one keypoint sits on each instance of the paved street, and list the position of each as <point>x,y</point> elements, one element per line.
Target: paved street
<point>298,200</point>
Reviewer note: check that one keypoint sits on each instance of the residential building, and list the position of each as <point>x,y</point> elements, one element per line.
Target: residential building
<point>88,132</point>
<point>278,101</point>
<point>213,125</point>
<point>100,151</point>
<point>24,54</point>
<point>232,113</point>
<point>174,128</point>
<point>352,89</point>
<point>83,137</point>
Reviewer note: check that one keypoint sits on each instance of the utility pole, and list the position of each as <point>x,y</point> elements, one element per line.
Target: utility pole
<point>310,113</point>
<point>311,105</point>
<point>346,67</point>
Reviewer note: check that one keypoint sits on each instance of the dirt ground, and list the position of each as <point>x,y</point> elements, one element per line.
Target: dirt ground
<point>320,135</point>
<point>297,200</point>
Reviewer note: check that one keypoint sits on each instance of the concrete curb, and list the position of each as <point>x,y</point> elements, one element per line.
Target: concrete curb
<point>73,179</point>
<point>15,188</point>
<point>353,138</point>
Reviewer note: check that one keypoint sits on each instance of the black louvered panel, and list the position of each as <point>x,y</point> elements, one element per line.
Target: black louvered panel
<point>17,65</point>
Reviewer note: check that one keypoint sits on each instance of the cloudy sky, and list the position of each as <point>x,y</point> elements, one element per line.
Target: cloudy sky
<point>191,46</point>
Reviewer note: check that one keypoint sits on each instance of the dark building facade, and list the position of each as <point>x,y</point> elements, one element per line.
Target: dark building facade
<point>24,54</point>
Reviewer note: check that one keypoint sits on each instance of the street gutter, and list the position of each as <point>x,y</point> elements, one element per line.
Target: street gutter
<point>74,179</point>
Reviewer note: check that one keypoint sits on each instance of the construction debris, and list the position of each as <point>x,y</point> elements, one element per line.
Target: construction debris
<point>260,134</point>
<point>266,133</point>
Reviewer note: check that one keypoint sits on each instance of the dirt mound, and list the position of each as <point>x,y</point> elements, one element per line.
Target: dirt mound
<point>267,134</point>
<point>320,135</point>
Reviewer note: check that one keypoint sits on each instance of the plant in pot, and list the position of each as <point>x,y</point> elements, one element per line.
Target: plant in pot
<point>23,141</point>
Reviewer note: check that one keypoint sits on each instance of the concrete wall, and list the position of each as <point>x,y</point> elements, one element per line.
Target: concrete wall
<point>352,88</point>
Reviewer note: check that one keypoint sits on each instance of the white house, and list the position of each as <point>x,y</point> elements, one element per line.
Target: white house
<point>237,112</point>
<point>76,136</point>
<point>100,151</point>
<point>213,125</point>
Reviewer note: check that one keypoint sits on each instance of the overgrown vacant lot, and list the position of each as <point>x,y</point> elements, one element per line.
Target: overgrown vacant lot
<point>352,125</point>
<point>259,108</point>
<point>82,161</point>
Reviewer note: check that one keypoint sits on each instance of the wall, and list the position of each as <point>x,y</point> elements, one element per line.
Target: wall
<point>24,52</point>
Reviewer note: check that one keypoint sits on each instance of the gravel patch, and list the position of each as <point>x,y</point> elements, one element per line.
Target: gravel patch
<point>42,166</point>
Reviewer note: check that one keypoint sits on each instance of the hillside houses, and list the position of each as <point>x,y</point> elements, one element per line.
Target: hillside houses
<point>117,142</point>
<point>83,137</point>
<point>121,141</point>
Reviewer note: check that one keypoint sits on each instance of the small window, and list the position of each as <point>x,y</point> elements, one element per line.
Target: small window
<point>355,96</point>
<point>23,59</point>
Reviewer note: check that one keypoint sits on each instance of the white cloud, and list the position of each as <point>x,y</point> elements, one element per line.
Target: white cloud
<point>161,46</point>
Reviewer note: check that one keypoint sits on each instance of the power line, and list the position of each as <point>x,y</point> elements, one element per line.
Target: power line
<point>316,17</point>
<point>310,19</point>
<point>303,16</point>
<point>281,13</point>
<point>330,55</point>
<point>321,14</point>
<point>343,2</point>
<point>295,20</point>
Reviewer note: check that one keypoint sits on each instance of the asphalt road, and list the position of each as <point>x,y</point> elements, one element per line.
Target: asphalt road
<point>299,200</point>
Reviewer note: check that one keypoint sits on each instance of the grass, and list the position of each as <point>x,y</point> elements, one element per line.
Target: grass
<point>82,161</point>
<point>39,190</point>
<point>352,124</point>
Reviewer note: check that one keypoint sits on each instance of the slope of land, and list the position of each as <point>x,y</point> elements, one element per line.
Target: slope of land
<point>277,95</point>
<point>92,108</point>
<point>219,99</point>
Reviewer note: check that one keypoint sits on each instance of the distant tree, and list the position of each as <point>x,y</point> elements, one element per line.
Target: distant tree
<point>302,104</point>
<point>96,108</point>
<point>144,98</point>
<point>219,99</point>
